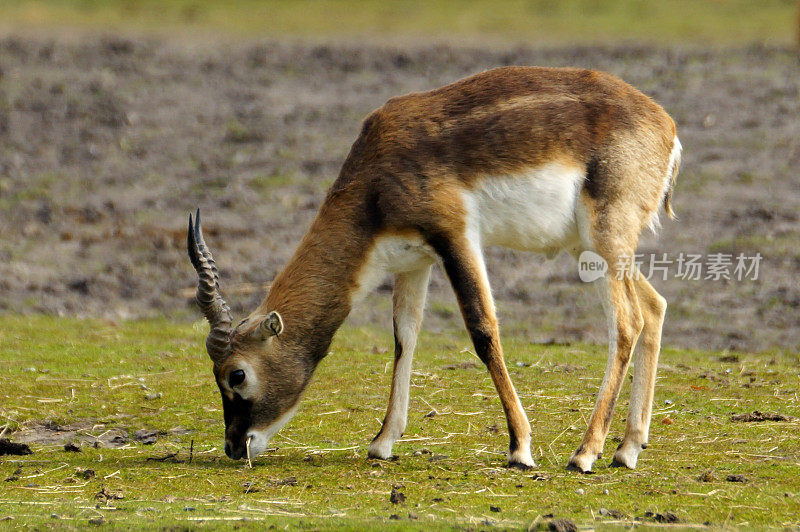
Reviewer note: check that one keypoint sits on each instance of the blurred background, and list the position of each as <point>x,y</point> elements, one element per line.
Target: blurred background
<point>119,117</point>
<point>541,21</point>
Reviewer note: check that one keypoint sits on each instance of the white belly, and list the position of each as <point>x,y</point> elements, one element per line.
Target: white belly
<point>533,211</point>
<point>393,254</point>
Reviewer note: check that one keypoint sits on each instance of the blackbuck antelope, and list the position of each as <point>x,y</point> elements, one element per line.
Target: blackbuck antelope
<point>536,159</point>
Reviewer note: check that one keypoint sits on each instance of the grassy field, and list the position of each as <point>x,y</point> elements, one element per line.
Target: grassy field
<point>101,378</point>
<point>675,21</point>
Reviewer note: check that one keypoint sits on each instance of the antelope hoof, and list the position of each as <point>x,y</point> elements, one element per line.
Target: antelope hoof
<point>627,455</point>
<point>581,462</point>
<point>521,458</point>
<point>380,450</point>
<point>512,464</point>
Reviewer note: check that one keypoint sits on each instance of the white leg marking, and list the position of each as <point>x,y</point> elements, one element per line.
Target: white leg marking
<point>410,291</point>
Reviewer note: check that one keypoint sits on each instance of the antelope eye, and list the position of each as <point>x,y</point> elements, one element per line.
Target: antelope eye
<point>236,377</point>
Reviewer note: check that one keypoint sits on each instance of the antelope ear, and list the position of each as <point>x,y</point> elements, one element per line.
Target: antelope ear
<point>271,325</point>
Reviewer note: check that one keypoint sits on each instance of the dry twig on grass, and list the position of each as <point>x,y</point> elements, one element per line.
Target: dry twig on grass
<point>249,463</point>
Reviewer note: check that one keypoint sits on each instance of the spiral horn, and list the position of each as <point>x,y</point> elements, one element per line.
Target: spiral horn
<point>209,298</point>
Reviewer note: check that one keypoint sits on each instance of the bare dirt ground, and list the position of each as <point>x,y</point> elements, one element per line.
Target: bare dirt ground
<point>106,144</point>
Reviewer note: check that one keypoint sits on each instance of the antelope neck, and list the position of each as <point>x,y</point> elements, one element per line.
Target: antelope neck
<point>313,292</point>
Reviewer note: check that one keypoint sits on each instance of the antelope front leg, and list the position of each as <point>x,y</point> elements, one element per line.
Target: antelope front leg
<point>410,290</point>
<point>625,324</point>
<point>653,308</point>
<point>463,262</point>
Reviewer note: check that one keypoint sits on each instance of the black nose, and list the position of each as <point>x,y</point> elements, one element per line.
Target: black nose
<point>232,453</point>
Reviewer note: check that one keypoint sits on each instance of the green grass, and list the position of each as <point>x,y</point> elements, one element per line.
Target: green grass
<point>696,21</point>
<point>72,371</point>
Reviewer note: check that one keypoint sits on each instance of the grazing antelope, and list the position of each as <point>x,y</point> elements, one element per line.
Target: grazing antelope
<point>538,159</point>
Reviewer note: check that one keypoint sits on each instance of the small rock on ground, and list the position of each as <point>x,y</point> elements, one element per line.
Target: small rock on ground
<point>563,525</point>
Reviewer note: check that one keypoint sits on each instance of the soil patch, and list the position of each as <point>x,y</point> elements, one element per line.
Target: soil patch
<point>87,432</point>
<point>760,416</point>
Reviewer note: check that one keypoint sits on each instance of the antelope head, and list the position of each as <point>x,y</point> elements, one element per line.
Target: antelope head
<point>259,379</point>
